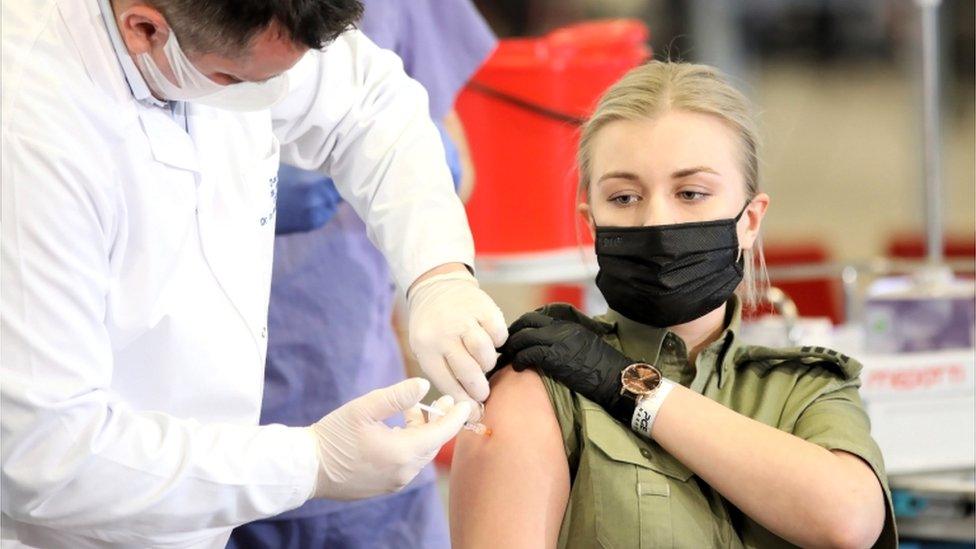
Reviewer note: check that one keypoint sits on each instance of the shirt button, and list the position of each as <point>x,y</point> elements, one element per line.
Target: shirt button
<point>264,332</point>
<point>646,453</point>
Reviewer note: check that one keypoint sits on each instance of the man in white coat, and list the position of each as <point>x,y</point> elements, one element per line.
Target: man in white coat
<point>138,206</point>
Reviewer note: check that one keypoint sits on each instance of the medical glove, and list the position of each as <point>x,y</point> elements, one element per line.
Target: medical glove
<point>360,456</point>
<point>572,354</point>
<point>454,330</point>
<point>307,200</point>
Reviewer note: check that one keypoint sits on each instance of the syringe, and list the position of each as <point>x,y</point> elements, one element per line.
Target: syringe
<point>475,427</point>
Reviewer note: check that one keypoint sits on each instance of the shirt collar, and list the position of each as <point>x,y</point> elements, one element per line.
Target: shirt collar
<point>733,341</point>
<point>137,84</point>
<point>637,341</point>
<point>642,342</point>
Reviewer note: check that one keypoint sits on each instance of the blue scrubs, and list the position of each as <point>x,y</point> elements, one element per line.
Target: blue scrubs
<point>331,337</point>
<point>332,340</point>
<point>412,519</point>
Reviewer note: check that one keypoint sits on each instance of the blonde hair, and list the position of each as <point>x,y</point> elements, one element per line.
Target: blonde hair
<point>660,86</point>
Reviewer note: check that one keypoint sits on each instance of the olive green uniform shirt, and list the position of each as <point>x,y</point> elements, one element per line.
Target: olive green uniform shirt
<point>628,492</point>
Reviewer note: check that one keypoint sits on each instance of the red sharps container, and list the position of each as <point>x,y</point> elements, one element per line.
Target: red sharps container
<point>522,113</point>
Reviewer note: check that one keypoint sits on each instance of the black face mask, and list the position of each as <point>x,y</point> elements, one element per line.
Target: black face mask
<point>667,275</point>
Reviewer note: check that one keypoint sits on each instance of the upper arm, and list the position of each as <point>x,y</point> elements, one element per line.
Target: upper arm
<point>352,113</point>
<point>511,489</point>
<point>58,222</point>
<point>66,430</point>
<point>837,421</point>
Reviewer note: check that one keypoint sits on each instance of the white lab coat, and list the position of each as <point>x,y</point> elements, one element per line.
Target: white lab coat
<point>136,265</point>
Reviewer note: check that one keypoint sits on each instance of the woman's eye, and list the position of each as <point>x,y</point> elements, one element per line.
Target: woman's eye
<point>625,199</point>
<point>691,196</point>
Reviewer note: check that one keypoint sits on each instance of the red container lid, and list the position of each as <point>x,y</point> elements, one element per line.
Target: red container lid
<point>522,113</point>
<point>584,59</point>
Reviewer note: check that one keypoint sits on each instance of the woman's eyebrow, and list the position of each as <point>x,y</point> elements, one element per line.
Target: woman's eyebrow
<point>685,172</point>
<point>618,175</point>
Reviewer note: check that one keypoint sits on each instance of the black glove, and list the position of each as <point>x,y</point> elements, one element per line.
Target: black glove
<point>555,311</point>
<point>565,311</point>
<point>571,354</point>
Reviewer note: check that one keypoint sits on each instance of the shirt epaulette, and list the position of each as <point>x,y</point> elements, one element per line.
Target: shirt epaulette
<point>565,311</point>
<point>768,357</point>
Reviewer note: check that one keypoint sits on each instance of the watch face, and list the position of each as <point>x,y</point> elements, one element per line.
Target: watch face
<point>640,379</point>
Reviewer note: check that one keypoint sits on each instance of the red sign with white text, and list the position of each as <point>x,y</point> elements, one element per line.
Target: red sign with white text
<point>917,373</point>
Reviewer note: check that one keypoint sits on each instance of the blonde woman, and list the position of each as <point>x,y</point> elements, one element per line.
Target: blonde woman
<point>654,425</point>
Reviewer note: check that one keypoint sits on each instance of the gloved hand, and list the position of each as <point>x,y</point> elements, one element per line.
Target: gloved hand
<point>572,354</point>
<point>360,456</point>
<point>454,330</point>
<point>306,200</point>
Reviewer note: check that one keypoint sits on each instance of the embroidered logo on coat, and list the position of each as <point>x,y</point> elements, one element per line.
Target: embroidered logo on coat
<point>273,189</point>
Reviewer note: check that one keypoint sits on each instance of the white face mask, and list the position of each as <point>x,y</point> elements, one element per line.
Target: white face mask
<point>192,85</point>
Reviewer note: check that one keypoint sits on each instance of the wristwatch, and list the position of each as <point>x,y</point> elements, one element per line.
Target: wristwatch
<point>636,380</point>
<point>647,388</point>
<point>639,380</point>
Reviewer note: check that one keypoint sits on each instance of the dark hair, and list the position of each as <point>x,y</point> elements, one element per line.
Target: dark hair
<point>227,26</point>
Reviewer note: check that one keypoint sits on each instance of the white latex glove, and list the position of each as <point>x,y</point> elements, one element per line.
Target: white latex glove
<point>360,456</point>
<point>454,330</point>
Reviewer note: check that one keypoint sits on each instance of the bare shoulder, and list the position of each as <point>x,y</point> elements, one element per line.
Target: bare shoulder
<point>517,411</point>
<point>507,384</point>
<point>510,489</point>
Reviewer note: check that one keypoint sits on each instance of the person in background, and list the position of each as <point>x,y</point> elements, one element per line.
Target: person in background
<point>331,335</point>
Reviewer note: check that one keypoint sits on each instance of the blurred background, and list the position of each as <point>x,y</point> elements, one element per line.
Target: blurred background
<point>837,86</point>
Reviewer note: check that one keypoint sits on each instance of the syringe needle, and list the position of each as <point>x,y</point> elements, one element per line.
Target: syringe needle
<point>474,427</point>
<point>478,428</point>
